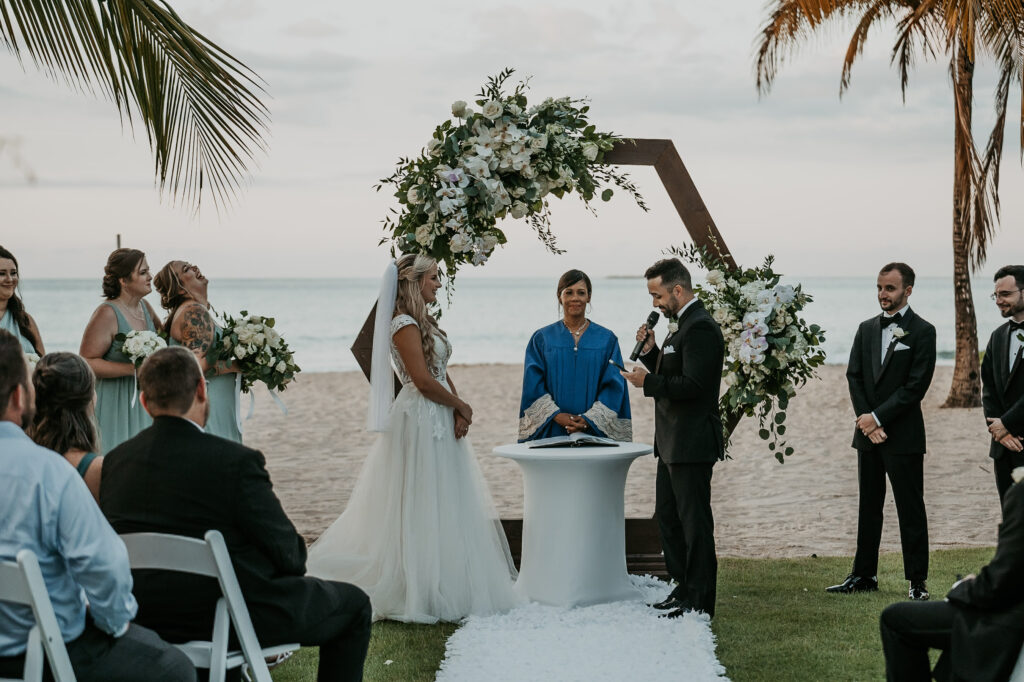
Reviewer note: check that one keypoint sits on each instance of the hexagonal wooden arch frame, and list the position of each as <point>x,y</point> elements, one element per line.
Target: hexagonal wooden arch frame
<point>663,156</point>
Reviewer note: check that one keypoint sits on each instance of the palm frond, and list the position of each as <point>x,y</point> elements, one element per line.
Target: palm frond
<point>200,106</point>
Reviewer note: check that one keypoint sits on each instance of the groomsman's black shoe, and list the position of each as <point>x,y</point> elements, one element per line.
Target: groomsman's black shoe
<point>670,604</point>
<point>679,613</point>
<point>919,590</point>
<point>855,583</point>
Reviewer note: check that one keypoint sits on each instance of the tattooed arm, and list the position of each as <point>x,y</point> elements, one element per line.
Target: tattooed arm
<point>195,331</point>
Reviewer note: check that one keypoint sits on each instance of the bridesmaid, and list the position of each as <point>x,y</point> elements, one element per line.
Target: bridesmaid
<point>126,280</point>
<point>183,293</point>
<point>13,317</point>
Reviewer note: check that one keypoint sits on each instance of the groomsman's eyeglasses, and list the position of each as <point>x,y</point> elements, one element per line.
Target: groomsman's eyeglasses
<point>1004,294</point>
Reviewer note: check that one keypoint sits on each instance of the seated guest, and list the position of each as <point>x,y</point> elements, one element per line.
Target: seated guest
<point>45,507</point>
<point>175,478</point>
<point>569,386</point>
<point>65,400</point>
<point>980,625</point>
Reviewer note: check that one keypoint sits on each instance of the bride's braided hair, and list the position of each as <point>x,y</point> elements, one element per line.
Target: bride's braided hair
<point>411,269</point>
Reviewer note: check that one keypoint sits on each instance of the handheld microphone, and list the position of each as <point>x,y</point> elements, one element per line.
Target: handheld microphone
<point>652,320</point>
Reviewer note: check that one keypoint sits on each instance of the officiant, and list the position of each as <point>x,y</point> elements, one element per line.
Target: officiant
<point>570,384</point>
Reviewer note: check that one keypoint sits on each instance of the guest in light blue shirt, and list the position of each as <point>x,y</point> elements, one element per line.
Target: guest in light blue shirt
<point>46,507</point>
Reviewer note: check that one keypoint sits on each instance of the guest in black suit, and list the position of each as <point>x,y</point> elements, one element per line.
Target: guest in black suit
<point>684,380</point>
<point>174,478</point>
<point>891,366</point>
<point>1002,392</point>
<point>980,628</point>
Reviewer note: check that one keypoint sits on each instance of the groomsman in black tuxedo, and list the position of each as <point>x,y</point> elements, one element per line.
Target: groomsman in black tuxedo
<point>890,369</point>
<point>1003,379</point>
<point>980,625</point>
<point>175,478</point>
<point>684,380</point>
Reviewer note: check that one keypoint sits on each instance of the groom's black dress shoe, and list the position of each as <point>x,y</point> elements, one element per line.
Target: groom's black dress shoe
<point>670,604</point>
<point>855,583</point>
<point>918,590</point>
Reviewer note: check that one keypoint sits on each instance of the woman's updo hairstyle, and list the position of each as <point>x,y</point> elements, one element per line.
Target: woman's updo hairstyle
<point>120,265</point>
<point>168,285</point>
<point>65,387</point>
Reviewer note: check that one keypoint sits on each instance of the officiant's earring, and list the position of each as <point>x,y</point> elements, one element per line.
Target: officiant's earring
<point>590,308</point>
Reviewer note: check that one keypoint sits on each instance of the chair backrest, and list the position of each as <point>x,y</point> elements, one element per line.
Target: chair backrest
<point>208,557</point>
<point>1018,670</point>
<point>22,582</point>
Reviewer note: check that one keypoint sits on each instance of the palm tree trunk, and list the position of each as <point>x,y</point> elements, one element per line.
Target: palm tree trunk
<point>966,388</point>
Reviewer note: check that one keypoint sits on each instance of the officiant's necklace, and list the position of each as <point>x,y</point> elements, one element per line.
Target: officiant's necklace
<point>576,333</point>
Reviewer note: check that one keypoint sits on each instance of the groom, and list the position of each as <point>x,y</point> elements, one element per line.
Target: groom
<point>891,366</point>
<point>684,380</point>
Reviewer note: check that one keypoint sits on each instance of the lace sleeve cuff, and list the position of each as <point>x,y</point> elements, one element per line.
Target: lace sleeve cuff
<point>606,419</point>
<point>536,415</point>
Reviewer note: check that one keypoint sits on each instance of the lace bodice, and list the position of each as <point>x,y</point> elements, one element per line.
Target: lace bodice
<point>442,349</point>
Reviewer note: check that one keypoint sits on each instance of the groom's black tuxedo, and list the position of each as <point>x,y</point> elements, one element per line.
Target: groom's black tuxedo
<point>892,388</point>
<point>685,379</point>
<point>173,478</point>
<point>1002,397</point>
<point>980,627</point>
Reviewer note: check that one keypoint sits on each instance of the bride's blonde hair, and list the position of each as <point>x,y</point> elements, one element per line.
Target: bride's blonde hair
<point>411,269</point>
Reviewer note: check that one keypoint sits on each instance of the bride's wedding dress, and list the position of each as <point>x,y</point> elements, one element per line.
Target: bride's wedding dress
<point>420,533</point>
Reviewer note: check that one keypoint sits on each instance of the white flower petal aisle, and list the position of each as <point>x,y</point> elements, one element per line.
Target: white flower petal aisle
<point>618,641</point>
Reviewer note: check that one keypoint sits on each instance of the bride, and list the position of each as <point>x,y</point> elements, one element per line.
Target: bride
<point>420,534</point>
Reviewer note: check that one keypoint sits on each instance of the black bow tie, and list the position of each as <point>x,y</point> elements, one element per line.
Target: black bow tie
<point>886,321</point>
<point>1016,326</point>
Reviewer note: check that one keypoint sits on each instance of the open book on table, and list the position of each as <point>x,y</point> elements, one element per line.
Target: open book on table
<point>574,440</point>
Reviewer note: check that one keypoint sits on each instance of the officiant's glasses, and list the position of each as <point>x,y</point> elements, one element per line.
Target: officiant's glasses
<point>1004,294</point>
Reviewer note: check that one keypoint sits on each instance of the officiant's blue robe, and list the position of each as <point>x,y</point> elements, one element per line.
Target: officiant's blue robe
<point>580,381</point>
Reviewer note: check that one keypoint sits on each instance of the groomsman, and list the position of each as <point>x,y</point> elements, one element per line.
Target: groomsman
<point>684,379</point>
<point>1002,393</point>
<point>891,366</point>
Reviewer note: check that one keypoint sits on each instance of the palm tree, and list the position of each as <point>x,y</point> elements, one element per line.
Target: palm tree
<point>197,103</point>
<point>960,31</point>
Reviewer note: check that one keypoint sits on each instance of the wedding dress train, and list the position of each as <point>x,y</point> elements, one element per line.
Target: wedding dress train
<point>420,533</point>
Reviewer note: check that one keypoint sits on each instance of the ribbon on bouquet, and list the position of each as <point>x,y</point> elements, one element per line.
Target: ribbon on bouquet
<point>135,391</point>
<point>252,402</point>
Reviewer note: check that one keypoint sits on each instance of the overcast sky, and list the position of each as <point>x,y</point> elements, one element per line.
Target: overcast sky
<point>829,186</point>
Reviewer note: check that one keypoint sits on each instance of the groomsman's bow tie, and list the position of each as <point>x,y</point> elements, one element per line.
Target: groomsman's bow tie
<point>886,321</point>
<point>1016,326</point>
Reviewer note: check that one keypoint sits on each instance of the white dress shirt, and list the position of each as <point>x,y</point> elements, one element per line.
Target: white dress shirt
<point>887,337</point>
<point>1014,346</point>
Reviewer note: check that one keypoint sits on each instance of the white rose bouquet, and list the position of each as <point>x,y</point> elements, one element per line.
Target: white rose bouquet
<point>258,350</point>
<point>504,160</point>
<point>33,360</point>
<point>139,345</point>
<point>769,349</point>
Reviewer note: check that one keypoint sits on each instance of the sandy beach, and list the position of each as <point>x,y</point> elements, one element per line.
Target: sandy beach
<point>762,508</point>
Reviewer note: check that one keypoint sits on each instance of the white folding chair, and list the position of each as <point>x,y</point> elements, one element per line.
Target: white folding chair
<point>1018,670</point>
<point>208,557</point>
<point>21,582</point>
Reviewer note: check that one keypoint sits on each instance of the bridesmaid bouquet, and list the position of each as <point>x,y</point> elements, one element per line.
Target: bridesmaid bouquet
<point>258,350</point>
<point>139,345</point>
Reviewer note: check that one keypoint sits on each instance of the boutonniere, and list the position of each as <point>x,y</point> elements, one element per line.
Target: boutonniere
<point>1020,337</point>
<point>673,325</point>
<point>899,332</point>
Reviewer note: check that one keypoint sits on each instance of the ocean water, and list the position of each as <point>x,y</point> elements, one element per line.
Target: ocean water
<point>489,320</point>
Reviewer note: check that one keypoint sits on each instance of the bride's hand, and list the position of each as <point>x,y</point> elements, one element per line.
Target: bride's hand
<point>461,426</point>
<point>465,411</point>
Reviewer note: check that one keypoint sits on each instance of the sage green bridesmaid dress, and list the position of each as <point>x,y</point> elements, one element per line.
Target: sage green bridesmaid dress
<point>224,398</point>
<point>117,418</point>
<point>8,323</point>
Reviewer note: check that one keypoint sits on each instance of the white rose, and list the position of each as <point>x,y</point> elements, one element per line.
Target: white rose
<point>519,210</point>
<point>715,277</point>
<point>492,109</point>
<point>240,352</point>
<point>434,146</point>
<point>281,366</point>
<point>413,196</point>
<point>539,142</point>
<point>489,241</point>
<point>721,315</point>
<point>590,151</point>
<point>423,236</point>
<point>459,109</point>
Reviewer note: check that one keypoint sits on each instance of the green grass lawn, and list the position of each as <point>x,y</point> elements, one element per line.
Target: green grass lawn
<point>773,622</point>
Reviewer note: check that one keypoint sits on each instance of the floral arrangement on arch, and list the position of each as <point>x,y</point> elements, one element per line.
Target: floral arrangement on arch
<point>503,159</point>
<point>770,350</point>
